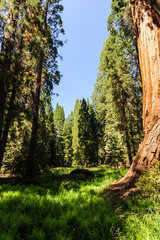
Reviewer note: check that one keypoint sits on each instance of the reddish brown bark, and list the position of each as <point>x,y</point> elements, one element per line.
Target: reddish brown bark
<point>146,17</point>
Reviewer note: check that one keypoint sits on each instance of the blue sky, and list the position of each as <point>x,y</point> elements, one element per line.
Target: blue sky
<point>85,25</point>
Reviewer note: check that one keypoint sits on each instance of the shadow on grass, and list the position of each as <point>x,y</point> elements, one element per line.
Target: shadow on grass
<point>53,207</point>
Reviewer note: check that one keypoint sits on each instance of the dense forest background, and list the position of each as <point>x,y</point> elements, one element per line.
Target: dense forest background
<point>33,136</point>
<point>42,195</point>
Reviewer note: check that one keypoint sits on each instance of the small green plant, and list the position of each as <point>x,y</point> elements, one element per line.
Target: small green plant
<point>150,183</point>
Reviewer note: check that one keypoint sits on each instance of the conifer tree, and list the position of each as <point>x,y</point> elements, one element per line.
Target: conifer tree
<point>118,87</point>
<point>94,134</point>
<point>29,51</point>
<point>67,140</point>
<point>11,13</point>
<point>59,119</point>
<point>87,135</point>
<point>75,132</point>
<point>50,25</point>
<point>84,133</point>
<point>8,70</point>
<point>46,135</point>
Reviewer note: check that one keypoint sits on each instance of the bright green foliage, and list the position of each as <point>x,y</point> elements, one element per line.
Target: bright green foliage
<point>59,119</point>
<point>85,133</point>
<point>94,135</point>
<point>67,140</point>
<point>117,95</point>
<point>75,131</point>
<point>85,145</point>
<point>18,144</point>
<point>56,208</point>
<point>46,135</point>
<point>115,152</point>
<point>141,213</point>
<point>149,183</point>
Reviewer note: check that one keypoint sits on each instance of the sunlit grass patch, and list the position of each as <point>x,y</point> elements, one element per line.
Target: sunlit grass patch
<point>141,227</point>
<point>57,208</point>
<point>54,207</point>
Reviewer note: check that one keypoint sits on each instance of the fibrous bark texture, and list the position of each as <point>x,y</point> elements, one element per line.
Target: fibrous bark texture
<point>148,153</point>
<point>146,17</point>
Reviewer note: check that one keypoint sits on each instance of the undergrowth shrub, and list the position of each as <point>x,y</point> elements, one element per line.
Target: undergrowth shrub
<point>141,212</point>
<point>150,183</point>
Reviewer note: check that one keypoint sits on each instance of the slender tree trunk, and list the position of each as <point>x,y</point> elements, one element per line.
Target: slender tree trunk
<point>146,17</point>
<point>32,167</point>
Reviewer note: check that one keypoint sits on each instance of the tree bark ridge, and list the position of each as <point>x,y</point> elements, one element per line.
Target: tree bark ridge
<point>146,18</point>
<point>148,153</point>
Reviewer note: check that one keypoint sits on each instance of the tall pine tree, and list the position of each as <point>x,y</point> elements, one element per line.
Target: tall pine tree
<point>117,95</point>
<point>59,119</point>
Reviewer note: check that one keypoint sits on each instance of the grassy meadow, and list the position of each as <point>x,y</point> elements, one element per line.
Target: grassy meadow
<point>56,208</point>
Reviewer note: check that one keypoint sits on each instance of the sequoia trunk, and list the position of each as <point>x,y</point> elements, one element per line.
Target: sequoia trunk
<point>146,17</point>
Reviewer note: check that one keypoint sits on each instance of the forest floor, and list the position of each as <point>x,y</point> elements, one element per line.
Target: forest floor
<point>7,175</point>
<point>55,207</point>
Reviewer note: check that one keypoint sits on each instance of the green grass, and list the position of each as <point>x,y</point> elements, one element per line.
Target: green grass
<point>141,212</point>
<point>53,207</point>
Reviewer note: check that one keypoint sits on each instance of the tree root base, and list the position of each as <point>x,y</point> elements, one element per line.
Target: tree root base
<point>148,153</point>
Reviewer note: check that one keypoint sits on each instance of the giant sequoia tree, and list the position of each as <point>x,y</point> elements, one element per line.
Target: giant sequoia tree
<point>146,17</point>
